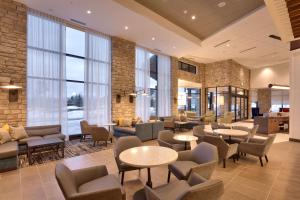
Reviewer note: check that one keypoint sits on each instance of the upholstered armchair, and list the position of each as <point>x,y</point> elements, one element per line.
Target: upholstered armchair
<point>122,144</point>
<point>251,133</point>
<point>165,139</point>
<point>93,183</point>
<point>257,147</point>
<point>169,123</point>
<point>100,134</point>
<point>209,116</point>
<point>85,129</point>
<point>225,150</point>
<point>226,118</point>
<point>199,132</point>
<point>195,188</point>
<point>201,160</point>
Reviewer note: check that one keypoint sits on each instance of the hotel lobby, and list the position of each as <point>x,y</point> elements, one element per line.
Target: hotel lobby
<point>149,99</point>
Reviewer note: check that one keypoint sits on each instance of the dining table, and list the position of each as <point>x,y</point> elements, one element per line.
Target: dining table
<point>148,157</point>
<point>231,132</point>
<point>185,138</point>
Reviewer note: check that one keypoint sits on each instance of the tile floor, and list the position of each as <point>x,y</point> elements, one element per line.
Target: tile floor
<point>244,180</point>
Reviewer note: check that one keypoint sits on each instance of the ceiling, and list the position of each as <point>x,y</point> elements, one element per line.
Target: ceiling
<point>209,17</point>
<point>294,13</point>
<point>111,17</point>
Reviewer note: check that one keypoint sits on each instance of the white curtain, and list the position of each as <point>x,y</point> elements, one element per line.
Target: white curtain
<point>98,79</point>
<point>164,85</point>
<point>46,102</point>
<point>142,83</point>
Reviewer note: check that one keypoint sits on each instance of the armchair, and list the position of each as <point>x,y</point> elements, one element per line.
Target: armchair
<point>201,160</point>
<point>195,188</point>
<point>90,183</point>
<point>85,129</point>
<point>226,118</point>
<point>165,139</point>
<point>169,123</point>
<point>257,147</point>
<point>199,132</point>
<point>100,134</point>
<point>209,116</point>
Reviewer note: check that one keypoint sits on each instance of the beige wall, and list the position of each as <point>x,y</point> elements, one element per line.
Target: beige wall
<point>12,60</point>
<point>277,74</point>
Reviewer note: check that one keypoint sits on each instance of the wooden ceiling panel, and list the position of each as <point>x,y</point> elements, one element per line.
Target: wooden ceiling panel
<point>294,13</point>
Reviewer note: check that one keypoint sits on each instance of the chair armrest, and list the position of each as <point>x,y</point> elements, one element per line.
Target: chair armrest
<point>233,148</point>
<point>205,170</point>
<point>164,144</point>
<point>151,194</point>
<point>111,194</point>
<point>185,155</point>
<point>251,148</point>
<point>257,140</point>
<point>195,179</point>
<point>88,174</point>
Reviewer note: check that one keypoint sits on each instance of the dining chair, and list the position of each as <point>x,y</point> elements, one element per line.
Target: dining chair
<point>88,183</point>
<point>201,160</point>
<point>165,139</point>
<point>225,150</point>
<point>122,144</point>
<point>195,188</point>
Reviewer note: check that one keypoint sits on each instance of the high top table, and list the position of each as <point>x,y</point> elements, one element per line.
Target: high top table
<point>147,157</point>
<point>231,132</point>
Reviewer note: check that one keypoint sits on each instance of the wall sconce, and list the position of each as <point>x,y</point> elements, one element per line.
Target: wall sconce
<point>13,91</point>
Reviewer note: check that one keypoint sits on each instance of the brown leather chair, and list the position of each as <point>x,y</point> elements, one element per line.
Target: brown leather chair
<point>88,184</point>
<point>100,134</point>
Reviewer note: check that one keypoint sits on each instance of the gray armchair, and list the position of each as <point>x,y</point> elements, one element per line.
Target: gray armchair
<point>225,150</point>
<point>257,147</point>
<point>122,144</point>
<point>195,188</point>
<point>90,183</point>
<point>201,160</point>
<point>199,132</point>
<point>165,139</point>
<point>251,133</point>
<point>100,134</point>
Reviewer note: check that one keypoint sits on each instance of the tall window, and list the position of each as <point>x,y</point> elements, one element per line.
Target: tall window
<point>68,75</point>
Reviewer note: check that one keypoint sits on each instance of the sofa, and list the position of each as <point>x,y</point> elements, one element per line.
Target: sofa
<point>9,151</point>
<point>144,131</point>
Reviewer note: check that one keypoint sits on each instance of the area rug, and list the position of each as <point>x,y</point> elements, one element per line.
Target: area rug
<point>72,148</point>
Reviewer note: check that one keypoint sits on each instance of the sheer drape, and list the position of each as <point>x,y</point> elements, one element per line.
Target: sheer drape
<point>164,85</point>
<point>142,83</point>
<point>98,79</point>
<point>45,70</point>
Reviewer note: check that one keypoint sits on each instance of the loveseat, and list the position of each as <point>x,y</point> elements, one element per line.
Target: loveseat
<point>9,151</point>
<point>144,131</point>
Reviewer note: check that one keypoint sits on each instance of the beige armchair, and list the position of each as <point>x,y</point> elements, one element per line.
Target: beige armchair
<point>209,117</point>
<point>257,147</point>
<point>251,133</point>
<point>225,150</point>
<point>93,183</point>
<point>85,129</point>
<point>199,132</point>
<point>201,160</point>
<point>195,188</point>
<point>226,118</point>
<point>169,123</point>
<point>165,139</point>
<point>100,134</point>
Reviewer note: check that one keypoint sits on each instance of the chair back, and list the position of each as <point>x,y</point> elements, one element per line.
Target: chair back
<point>199,132</point>
<point>268,143</point>
<point>84,126</point>
<point>221,145</point>
<point>204,153</point>
<point>165,136</point>
<point>214,125</point>
<point>65,180</point>
<point>227,118</point>
<point>99,133</point>
<point>241,128</point>
<point>124,143</point>
<point>252,132</point>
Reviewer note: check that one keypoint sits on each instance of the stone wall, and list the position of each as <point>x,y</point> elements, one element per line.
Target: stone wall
<point>123,77</point>
<point>13,20</point>
<point>264,100</point>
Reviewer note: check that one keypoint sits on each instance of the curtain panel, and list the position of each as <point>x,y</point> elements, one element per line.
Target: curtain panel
<point>164,86</point>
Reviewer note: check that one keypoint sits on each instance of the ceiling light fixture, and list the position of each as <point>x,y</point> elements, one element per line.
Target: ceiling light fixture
<point>126,27</point>
<point>221,4</point>
<point>279,87</point>
<point>193,17</point>
<point>153,38</point>
<point>89,12</point>
<point>185,11</point>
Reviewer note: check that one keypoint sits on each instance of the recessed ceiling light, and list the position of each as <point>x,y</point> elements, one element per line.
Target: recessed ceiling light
<point>89,12</point>
<point>153,38</point>
<point>221,4</point>
<point>185,11</point>
<point>126,27</point>
<point>193,17</point>
<point>227,45</point>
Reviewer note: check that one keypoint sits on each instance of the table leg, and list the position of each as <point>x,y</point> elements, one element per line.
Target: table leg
<point>185,145</point>
<point>149,182</point>
<point>229,141</point>
<point>29,156</point>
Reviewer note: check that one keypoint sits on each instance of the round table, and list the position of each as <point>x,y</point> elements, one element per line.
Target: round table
<point>147,157</point>
<point>231,132</point>
<point>110,125</point>
<point>185,139</point>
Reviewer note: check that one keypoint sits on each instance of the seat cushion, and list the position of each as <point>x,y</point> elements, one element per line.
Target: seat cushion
<point>173,190</point>
<point>181,169</point>
<point>129,130</point>
<point>60,136</point>
<point>103,183</point>
<point>25,140</point>
<point>9,149</point>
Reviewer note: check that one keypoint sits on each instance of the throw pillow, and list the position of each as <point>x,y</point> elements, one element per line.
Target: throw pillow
<point>18,133</point>
<point>127,122</point>
<point>4,136</point>
<point>6,127</point>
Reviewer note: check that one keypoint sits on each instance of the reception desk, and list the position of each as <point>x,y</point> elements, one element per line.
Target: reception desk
<point>269,125</point>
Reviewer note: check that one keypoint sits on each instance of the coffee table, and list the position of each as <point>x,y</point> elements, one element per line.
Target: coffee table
<point>147,157</point>
<point>42,145</point>
<point>185,139</point>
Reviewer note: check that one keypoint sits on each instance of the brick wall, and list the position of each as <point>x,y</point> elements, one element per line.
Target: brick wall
<point>123,76</point>
<point>13,60</point>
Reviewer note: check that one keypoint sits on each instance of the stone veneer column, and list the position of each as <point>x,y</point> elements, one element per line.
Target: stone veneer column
<point>122,77</point>
<point>174,85</point>
<point>264,100</point>
<point>13,22</point>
